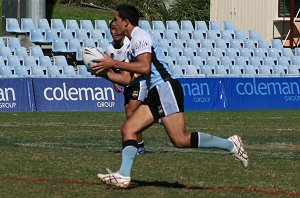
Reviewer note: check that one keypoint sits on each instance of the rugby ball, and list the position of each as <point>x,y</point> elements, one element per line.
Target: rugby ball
<point>90,54</point>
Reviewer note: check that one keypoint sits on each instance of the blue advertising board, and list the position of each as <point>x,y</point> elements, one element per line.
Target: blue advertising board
<point>16,95</point>
<point>76,94</point>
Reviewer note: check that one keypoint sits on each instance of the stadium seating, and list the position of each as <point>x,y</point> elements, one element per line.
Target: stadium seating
<point>194,49</point>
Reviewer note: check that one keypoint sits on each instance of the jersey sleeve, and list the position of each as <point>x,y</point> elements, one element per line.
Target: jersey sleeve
<point>141,44</point>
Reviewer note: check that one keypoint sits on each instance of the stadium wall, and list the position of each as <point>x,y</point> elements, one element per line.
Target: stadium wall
<point>96,94</point>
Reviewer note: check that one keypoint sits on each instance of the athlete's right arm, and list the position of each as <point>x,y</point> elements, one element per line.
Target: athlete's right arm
<point>123,77</point>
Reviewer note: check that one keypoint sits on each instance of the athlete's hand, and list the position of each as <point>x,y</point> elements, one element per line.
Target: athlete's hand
<point>102,64</point>
<point>117,88</point>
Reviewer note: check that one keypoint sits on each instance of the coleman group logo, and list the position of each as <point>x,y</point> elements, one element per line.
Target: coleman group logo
<point>7,98</point>
<point>290,90</point>
<point>198,91</point>
<point>104,96</point>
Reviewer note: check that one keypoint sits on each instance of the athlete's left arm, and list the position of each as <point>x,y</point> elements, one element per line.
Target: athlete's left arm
<point>140,66</point>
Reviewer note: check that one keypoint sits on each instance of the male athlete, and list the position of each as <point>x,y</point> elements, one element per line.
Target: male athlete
<point>136,91</point>
<point>164,100</point>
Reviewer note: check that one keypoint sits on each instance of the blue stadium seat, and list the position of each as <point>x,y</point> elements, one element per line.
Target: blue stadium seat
<point>39,72</point>
<point>21,52</point>
<point>295,60</point>
<point>82,71</point>
<point>55,72</point>
<point>81,34</point>
<point>203,52</point>
<point>170,34</point>
<point>241,61</point>
<point>246,52</point>
<point>249,43</point>
<point>36,51</point>
<point>270,61</point>
<point>157,34</point>
<point>57,24</point>
<point>60,61</point>
<point>29,61</point>
<point>103,43</point>
<point>255,61</point>
<point>2,62</point>
<point>144,24</point>
<point>172,25</point>
<point>2,43</point>
<point>178,43</point>
<point>66,34</point>
<point>74,44</point>
<point>226,61</point>
<point>164,43</point>
<point>283,61</point>
<point>212,35</point>
<point>222,43</point>
<point>253,35</point>
<point>36,36</point>
<point>193,43</point>
<point>50,35</point>
<point>184,34</point>
<point>12,25</point>
<point>59,45</point>
<point>214,25</point>
<point>239,34</point>
<point>45,61</point>
<point>96,34</point>
<point>13,61</point>
<point>7,72</point>
<point>174,52</point>
<point>158,25</point>
<point>263,70</point>
<point>108,35</point>
<point>182,61</point>
<point>186,25</point>
<point>293,70</point>
<point>206,70</point>
<point>13,43</point>
<point>192,70</point>
<point>260,52</point>
<point>274,52</point>
<point>212,61</point>
<point>101,25</point>
<point>279,70</point>
<point>221,70</point>
<point>43,24</point>
<point>23,72</point>
<point>198,34</point>
<point>236,43</point>
<point>200,25</point>
<point>229,25</point>
<point>197,61</point>
<point>218,52</point>
<point>232,52</point>
<point>89,43</point>
<point>276,43</point>
<point>227,34</point>
<point>287,52</point>
<point>189,52</point>
<point>69,71</point>
<point>176,70</point>
<point>86,25</point>
<point>71,24</point>
<point>5,52</point>
<point>235,70</point>
<point>27,24</point>
<point>297,51</point>
<point>206,43</point>
<point>249,70</point>
<point>262,44</point>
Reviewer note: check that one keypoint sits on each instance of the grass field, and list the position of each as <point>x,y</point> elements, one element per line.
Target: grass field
<point>59,155</point>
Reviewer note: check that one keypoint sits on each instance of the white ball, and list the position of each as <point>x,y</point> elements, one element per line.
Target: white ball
<point>90,54</point>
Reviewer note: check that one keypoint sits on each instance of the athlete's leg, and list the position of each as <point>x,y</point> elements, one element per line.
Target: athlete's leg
<point>139,120</point>
<point>130,108</point>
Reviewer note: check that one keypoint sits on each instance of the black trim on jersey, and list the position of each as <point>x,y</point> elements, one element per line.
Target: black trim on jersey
<point>159,67</point>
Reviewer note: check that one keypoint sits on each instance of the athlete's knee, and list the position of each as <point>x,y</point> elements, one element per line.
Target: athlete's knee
<point>181,143</point>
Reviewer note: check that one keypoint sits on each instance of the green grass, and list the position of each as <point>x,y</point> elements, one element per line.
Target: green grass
<point>43,153</point>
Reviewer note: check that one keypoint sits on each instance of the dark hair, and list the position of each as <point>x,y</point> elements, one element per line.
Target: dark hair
<point>128,12</point>
<point>110,23</point>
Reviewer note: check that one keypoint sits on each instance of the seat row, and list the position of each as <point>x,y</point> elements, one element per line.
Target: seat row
<point>26,24</point>
<point>44,72</point>
<point>235,71</point>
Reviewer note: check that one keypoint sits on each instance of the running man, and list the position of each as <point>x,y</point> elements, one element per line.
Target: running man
<point>134,92</point>
<point>164,100</point>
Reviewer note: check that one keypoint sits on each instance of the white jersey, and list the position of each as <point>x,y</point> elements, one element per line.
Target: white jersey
<point>119,54</point>
<point>123,54</point>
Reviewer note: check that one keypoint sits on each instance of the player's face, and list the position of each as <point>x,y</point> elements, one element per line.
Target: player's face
<point>114,32</point>
<point>119,23</point>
